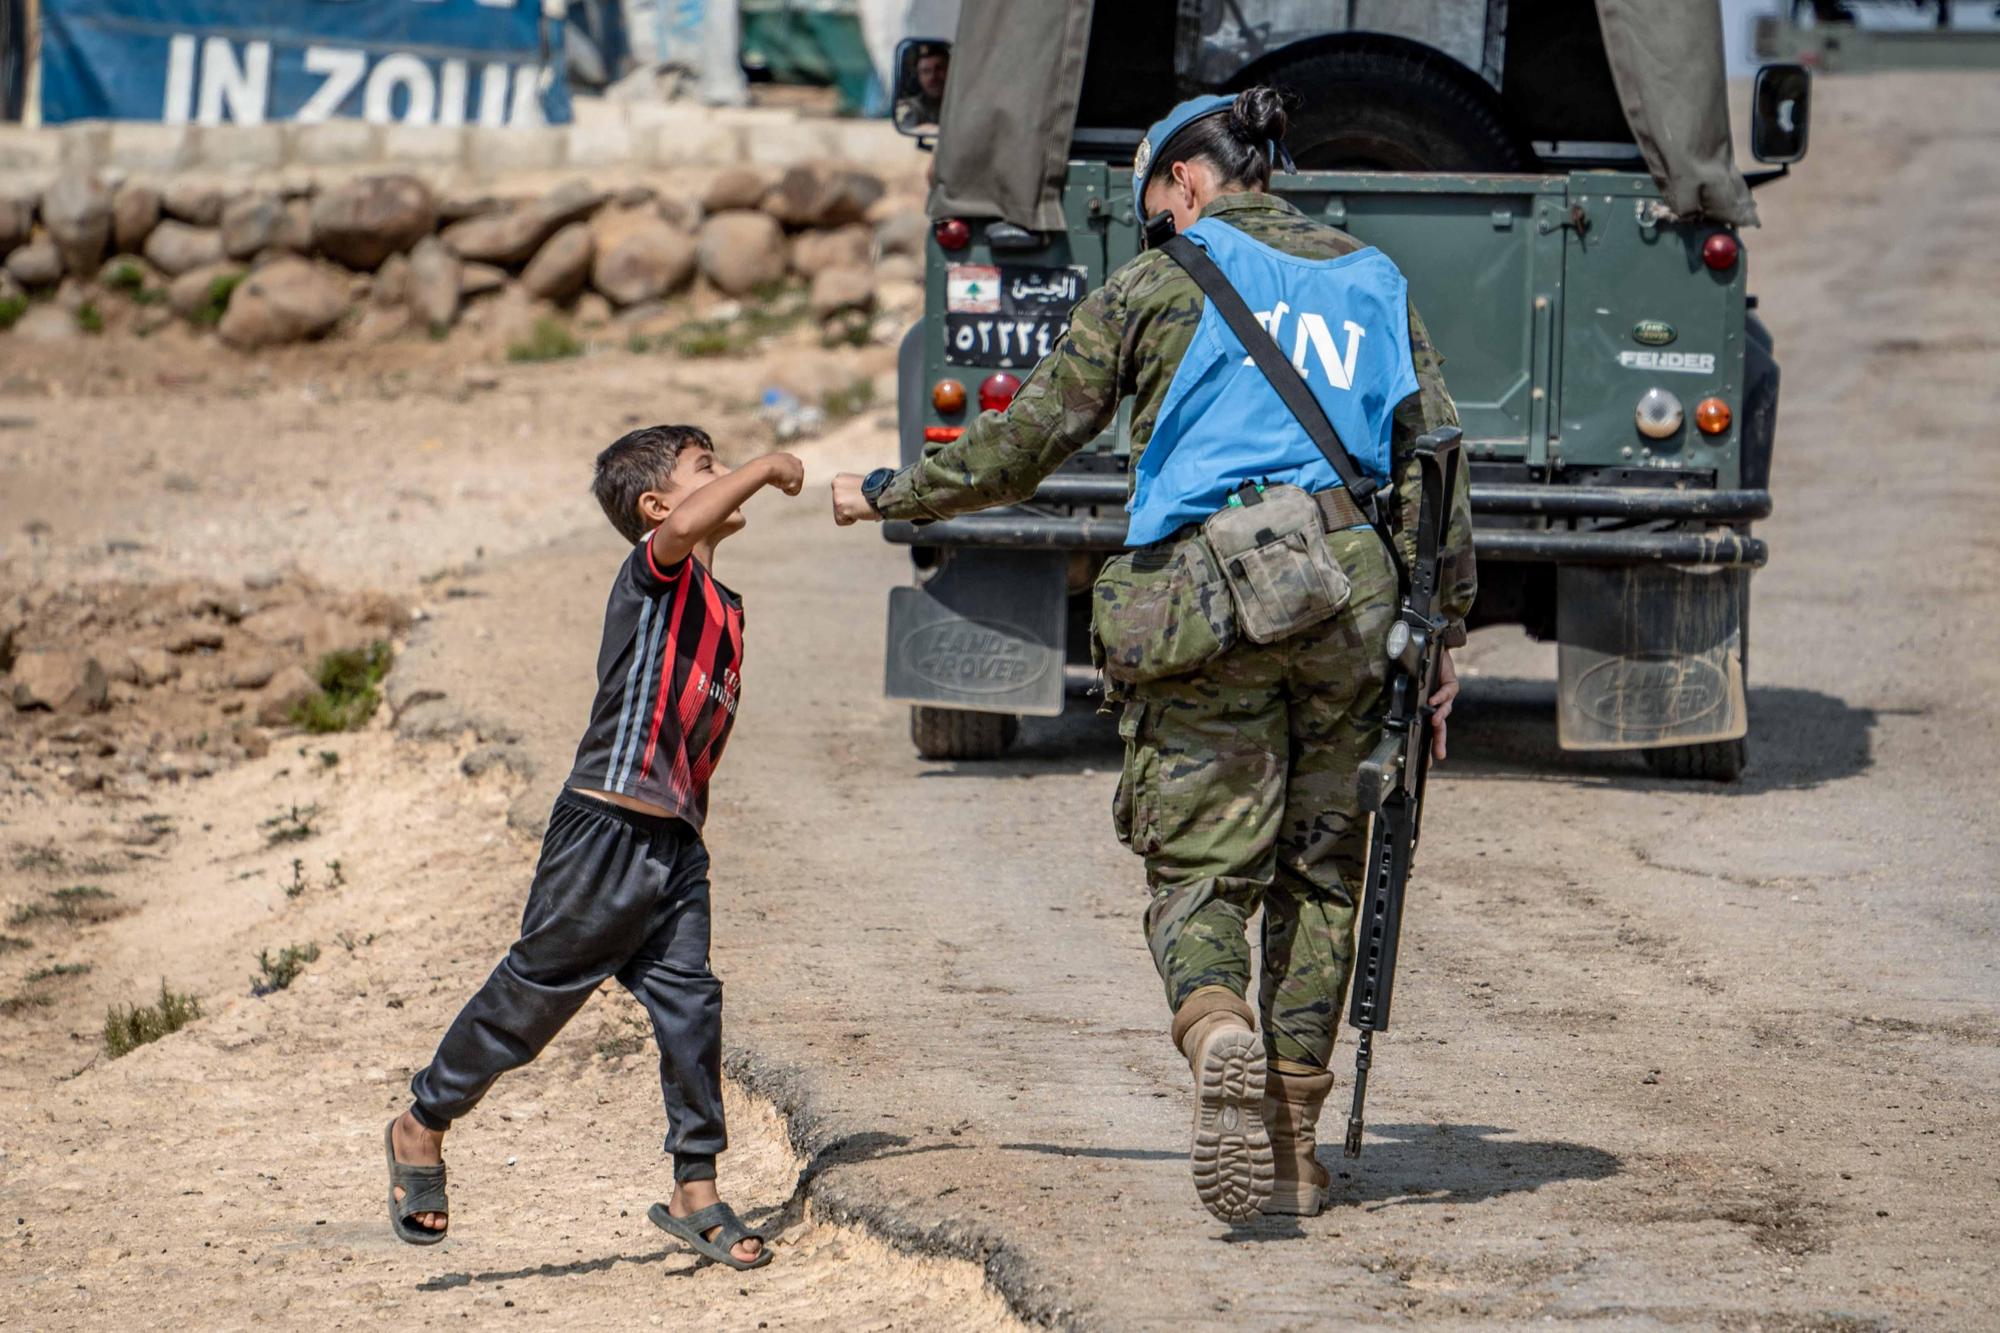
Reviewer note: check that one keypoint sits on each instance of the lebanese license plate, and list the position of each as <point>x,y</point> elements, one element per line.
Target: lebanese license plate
<point>1008,315</point>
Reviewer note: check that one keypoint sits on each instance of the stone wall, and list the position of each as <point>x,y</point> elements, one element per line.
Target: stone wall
<point>267,260</point>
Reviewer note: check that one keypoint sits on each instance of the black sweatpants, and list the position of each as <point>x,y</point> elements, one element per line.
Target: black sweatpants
<point>616,893</point>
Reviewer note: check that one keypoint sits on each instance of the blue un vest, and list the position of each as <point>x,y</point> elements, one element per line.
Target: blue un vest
<point>1344,323</point>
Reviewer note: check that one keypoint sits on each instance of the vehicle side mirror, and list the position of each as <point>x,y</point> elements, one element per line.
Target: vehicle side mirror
<point>1780,112</point>
<point>922,64</point>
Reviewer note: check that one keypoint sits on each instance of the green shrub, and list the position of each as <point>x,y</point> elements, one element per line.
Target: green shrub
<point>293,824</point>
<point>858,396</point>
<point>89,318</point>
<point>126,1030</point>
<point>349,692</point>
<point>58,971</point>
<point>9,943</point>
<point>215,303</point>
<point>78,905</point>
<point>547,341</point>
<point>275,974</point>
<point>11,309</point>
<point>124,275</point>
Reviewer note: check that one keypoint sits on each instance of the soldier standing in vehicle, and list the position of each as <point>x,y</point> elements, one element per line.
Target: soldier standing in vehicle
<point>1239,783</point>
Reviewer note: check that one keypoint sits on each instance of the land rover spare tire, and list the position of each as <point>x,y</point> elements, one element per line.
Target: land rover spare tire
<point>956,733</point>
<point>1383,104</point>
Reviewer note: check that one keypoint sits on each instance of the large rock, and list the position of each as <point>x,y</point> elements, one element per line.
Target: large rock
<point>295,232</point>
<point>392,281</point>
<point>362,223</point>
<point>60,681</point>
<point>175,248</point>
<point>17,223</point>
<point>193,202</point>
<point>187,294</point>
<point>558,270</point>
<point>838,289</point>
<point>77,212</point>
<point>251,224</point>
<point>512,237</point>
<point>903,233</point>
<point>285,302</point>
<point>135,211</point>
<point>821,195</point>
<point>843,247</point>
<point>639,257</point>
<point>479,279</point>
<point>37,264</point>
<point>47,323</point>
<point>736,187</point>
<point>741,250</point>
<point>436,283</point>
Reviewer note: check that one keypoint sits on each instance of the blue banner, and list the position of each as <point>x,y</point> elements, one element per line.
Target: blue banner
<point>245,62</point>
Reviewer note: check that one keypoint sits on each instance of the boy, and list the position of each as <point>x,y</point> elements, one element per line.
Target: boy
<point>622,885</point>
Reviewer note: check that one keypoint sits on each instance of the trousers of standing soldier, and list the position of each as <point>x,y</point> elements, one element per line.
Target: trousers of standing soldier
<point>1239,790</point>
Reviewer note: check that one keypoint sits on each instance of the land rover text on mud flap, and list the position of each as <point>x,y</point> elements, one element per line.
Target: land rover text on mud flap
<point>1554,177</point>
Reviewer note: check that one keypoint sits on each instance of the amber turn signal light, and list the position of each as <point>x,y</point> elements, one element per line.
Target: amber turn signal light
<point>948,396</point>
<point>1711,416</point>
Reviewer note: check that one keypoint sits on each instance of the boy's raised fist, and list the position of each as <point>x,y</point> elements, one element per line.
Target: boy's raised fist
<point>788,474</point>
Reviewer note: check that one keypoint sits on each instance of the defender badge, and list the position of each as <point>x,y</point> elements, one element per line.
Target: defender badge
<point>1653,332</point>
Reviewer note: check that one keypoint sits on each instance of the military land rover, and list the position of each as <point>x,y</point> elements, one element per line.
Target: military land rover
<point>1556,179</point>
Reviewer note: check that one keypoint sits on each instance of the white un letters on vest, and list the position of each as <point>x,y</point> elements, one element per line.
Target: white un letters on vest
<point>1312,329</point>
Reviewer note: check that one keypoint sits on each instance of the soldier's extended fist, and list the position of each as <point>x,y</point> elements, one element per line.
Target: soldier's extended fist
<point>849,504</point>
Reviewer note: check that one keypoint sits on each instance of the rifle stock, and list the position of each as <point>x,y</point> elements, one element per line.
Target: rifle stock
<point>1392,777</point>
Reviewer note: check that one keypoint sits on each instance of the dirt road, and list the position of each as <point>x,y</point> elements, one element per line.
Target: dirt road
<point>1665,1055</point>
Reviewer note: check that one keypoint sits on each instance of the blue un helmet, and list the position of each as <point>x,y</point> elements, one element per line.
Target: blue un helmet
<point>1154,149</point>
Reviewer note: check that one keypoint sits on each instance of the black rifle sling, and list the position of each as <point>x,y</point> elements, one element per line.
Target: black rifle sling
<point>1284,378</point>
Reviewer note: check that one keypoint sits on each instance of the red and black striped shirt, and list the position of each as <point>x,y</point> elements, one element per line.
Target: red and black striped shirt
<point>667,681</point>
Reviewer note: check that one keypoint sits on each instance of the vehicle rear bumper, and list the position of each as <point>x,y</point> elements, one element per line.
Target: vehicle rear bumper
<point>1718,542</point>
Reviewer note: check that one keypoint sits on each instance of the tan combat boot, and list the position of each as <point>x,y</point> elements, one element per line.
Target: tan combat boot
<point>1292,1102</point>
<point>1231,1154</point>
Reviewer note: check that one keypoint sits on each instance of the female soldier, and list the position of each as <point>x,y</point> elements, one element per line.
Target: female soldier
<point>1239,785</point>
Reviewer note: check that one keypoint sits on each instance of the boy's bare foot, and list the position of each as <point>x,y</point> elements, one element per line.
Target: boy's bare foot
<point>691,1196</point>
<point>418,1146</point>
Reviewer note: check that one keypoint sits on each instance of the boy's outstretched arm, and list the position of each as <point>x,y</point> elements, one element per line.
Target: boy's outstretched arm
<point>693,519</point>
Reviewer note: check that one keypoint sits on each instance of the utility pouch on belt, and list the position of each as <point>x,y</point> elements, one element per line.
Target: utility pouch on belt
<point>1271,547</point>
<point>1161,611</point>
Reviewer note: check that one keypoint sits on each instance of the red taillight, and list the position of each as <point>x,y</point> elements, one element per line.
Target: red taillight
<point>996,391</point>
<point>1719,251</point>
<point>942,434</point>
<point>953,234</point>
<point>948,397</point>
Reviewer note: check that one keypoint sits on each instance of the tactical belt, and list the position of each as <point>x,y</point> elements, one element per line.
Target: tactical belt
<point>1338,510</point>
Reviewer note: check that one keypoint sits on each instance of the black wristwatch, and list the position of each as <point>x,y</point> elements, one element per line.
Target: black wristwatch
<point>874,484</point>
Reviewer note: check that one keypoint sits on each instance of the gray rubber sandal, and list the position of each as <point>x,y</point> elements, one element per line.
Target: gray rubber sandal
<point>423,1192</point>
<point>691,1227</point>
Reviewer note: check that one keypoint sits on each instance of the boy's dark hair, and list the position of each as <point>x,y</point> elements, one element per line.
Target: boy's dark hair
<point>637,462</point>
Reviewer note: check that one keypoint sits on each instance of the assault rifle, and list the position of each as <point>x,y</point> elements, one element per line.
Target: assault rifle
<point>1392,778</point>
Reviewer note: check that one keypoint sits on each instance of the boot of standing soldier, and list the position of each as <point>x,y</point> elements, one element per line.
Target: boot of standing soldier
<point>1230,1156</point>
<point>1293,1096</point>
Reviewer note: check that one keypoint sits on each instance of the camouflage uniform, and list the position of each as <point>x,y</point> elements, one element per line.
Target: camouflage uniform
<point>1239,779</point>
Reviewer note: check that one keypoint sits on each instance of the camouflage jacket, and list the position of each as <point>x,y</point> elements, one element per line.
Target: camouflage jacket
<point>1127,339</point>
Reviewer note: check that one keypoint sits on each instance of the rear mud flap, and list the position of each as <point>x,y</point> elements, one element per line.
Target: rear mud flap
<point>1649,655</point>
<point>987,633</point>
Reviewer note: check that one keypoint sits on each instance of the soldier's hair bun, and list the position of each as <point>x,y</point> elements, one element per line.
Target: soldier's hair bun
<point>1258,116</point>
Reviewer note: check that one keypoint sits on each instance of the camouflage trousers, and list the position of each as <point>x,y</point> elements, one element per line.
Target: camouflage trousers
<point>1239,789</point>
